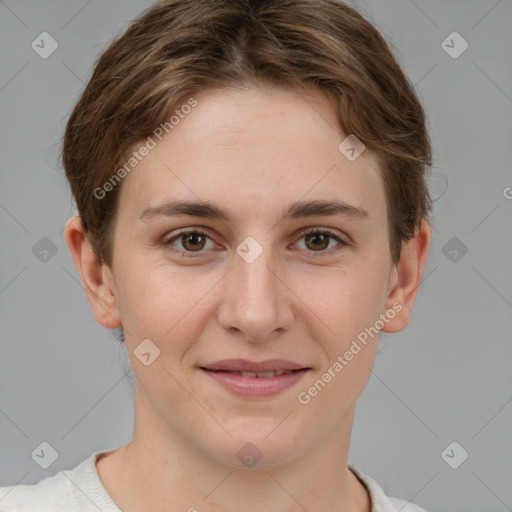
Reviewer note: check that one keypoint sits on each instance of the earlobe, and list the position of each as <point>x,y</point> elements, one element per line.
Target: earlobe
<point>407,278</point>
<point>95,275</point>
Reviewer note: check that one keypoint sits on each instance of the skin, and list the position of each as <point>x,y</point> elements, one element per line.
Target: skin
<point>252,151</point>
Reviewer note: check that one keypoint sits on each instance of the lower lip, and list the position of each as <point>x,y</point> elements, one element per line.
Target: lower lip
<point>255,386</point>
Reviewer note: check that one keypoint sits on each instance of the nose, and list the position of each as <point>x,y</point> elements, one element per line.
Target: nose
<point>256,300</point>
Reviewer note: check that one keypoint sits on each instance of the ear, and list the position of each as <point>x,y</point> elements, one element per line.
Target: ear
<point>96,276</point>
<point>406,277</point>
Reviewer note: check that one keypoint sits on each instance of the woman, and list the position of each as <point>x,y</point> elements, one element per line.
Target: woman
<point>252,212</point>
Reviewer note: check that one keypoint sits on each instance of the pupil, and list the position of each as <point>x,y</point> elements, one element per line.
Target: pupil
<point>193,239</point>
<point>322,237</point>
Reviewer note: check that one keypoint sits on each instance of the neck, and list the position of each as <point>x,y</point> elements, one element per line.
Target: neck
<point>161,470</point>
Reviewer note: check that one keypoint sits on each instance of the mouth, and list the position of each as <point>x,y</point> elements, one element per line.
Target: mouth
<point>259,375</point>
<point>255,379</point>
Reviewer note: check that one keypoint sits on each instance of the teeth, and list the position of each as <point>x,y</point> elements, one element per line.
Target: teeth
<point>265,374</point>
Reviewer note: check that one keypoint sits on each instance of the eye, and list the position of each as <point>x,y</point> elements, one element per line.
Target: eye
<point>318,240</point>
<point>192,241</point>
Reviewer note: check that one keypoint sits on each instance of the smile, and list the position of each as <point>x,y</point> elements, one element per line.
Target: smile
<point>273,373</point>
<point>255,379</point>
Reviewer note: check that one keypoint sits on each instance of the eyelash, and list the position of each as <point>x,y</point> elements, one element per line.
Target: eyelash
<point>307,231</point>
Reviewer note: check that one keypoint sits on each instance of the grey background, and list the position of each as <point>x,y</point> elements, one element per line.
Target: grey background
<point>445,378</point>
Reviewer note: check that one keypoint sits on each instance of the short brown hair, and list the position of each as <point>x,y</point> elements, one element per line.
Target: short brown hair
<point>178,48</point>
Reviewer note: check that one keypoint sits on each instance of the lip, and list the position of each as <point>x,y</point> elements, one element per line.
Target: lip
<point>244,365</point>
<point>256,387</point>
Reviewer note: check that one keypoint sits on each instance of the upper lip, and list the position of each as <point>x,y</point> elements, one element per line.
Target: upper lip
<point>244,365</point>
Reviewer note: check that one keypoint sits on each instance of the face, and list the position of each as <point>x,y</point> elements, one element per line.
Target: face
<point>268,281</point>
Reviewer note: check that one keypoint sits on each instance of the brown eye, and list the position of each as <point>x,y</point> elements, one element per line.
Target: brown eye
<point>317,241</point>
<point>193,241</point>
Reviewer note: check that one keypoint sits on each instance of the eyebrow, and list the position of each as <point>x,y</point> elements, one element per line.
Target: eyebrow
<point>296,210</point>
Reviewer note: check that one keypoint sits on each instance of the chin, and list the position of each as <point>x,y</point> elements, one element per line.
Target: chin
<point>249,450</point>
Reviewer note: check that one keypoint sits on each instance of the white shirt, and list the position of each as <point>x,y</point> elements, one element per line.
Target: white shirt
<point>81,490</point>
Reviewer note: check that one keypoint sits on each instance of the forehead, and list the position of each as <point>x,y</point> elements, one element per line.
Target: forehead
<point>254,150</point>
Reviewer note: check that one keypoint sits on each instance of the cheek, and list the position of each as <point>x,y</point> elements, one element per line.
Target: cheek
<point>164,305</point>
<point>349,305</point>
<point>345,302</point>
